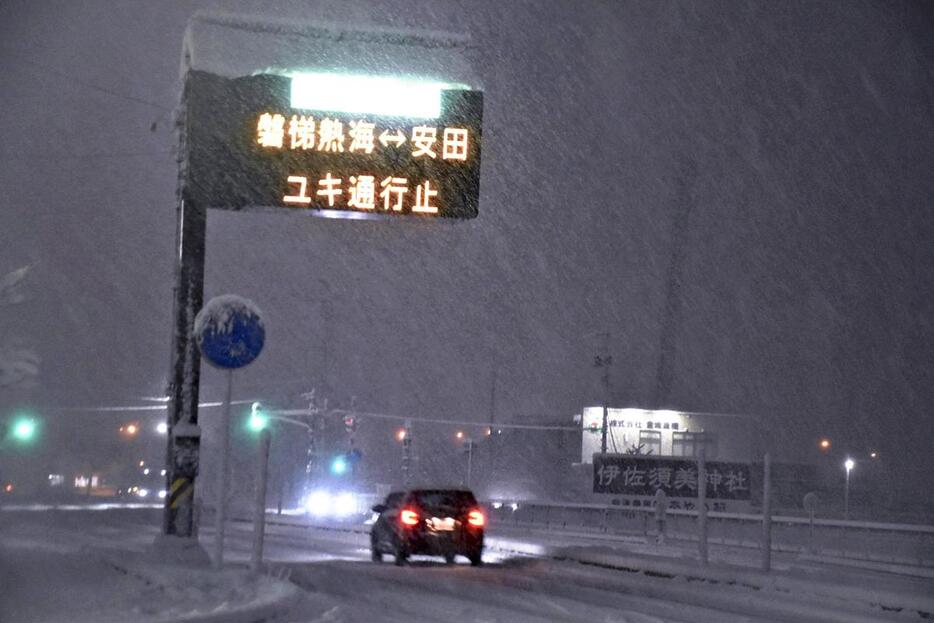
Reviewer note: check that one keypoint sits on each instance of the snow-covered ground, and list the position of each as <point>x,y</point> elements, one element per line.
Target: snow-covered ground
<point>55,568</point>
<point>94,566</point>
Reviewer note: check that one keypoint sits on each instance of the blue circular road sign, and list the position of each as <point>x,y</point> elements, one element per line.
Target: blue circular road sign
<point>230,331</point>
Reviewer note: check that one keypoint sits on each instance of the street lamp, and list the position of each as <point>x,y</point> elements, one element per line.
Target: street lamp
<point>848,464</point>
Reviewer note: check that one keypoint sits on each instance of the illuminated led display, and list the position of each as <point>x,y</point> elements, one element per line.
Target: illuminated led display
<point>380,95</point>
<point>333,145</point>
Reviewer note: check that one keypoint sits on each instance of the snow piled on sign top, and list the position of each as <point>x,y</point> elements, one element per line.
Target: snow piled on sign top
<point>234,45</point>
<point>221,310</point>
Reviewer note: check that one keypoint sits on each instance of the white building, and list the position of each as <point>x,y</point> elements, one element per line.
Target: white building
<point>665,433</point>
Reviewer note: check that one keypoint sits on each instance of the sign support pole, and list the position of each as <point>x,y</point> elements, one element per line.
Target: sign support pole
<point>221,516</point>
<point>183,444</point>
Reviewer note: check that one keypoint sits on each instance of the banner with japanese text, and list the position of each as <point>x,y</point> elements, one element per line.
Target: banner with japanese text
<point>623,474</point>
<point>246,147</point>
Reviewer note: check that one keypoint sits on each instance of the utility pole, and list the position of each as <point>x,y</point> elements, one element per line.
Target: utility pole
<point>184,434</point>
<point>672,312</point>
<point>492,433</point>
<point>407,452</point>
<point>351,431</point>
<point>767,513</point>
<point>311,455</point>
<point>604,361</point>
<point>469,459</point>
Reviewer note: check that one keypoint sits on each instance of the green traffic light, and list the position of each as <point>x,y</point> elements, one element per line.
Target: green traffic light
<point>339,466</point>
<point>24,429</point>
<point>257,421</point>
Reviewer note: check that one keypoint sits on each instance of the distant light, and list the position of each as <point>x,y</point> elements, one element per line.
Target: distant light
<point>9,487</point>
<point>142,492</point>
<point>339,465</point>
<point>131,429</point>
<point>378,95</point>
<point>400,434</point>
<point>460,434</point>
<point>318,503</point>
<point>849,464</point>
<point>489,431</point>
<point>162,494</point>
<point>141,463</point>
<point>873,455</point>
<point>146,472</point>
<point>24,429</point>
<point>162,428</point>
<point>824,444</point>
<point>497,505</point>
<point>162,473</point>
<point>514,506</point>
<point>345,504</point>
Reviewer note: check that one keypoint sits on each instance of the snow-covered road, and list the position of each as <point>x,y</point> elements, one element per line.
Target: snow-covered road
<point>340,583</point>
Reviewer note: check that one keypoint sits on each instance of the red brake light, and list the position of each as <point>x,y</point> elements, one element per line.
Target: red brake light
<point>408,517</point>
<point>476,519</point>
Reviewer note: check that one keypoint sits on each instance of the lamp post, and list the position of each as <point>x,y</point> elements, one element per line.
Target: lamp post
<point>848,465</point>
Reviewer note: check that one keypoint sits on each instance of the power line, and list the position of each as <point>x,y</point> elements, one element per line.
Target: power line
<point>103,409</point>
<point>131,98</point>
<point>67,156</point>
<point>388,416</point>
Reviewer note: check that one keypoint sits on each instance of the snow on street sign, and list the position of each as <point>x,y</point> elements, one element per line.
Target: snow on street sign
<point>336,145</point>
<point>230,331</point>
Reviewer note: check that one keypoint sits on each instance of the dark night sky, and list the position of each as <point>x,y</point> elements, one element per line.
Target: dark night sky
<point>777,155</point>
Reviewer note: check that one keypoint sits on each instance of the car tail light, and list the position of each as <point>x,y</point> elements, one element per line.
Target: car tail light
<point>408,517</point>
<point>476,519</point>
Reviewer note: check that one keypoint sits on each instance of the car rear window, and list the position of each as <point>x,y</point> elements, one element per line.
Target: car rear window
<point>393,500</point>
<point>445,500</point>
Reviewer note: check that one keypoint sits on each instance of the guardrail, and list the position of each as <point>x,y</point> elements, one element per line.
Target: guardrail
<point>861,540</point>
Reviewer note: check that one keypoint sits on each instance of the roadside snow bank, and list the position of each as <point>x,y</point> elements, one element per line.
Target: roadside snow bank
<point>828,588</point>
<point>190,595</point>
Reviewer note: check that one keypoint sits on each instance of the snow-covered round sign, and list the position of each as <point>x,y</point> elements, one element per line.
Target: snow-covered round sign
<point>230,331</point>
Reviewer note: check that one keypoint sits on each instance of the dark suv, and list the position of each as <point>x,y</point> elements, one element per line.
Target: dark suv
<point>438,522</point>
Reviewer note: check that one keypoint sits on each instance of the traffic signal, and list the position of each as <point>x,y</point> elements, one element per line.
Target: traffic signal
<point>22,429</point>
<point>339,465</point>
<point>258,420</point>
<point>350,423</point>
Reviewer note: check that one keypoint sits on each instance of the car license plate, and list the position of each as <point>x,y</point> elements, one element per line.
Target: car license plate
<point>441,524</point>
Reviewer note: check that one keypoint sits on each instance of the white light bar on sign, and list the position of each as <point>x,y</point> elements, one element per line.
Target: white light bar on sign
<point>377,95</point>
